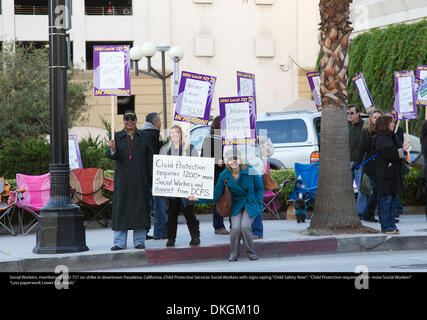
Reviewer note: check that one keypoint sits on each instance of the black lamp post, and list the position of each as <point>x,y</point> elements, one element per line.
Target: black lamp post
<point>60,228</point>
<point>148,50</point>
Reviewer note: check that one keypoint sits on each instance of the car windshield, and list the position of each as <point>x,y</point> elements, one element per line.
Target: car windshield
<point>284,131</point>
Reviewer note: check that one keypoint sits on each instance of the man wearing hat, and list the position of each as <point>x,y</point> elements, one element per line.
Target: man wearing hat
<point>133,154</point>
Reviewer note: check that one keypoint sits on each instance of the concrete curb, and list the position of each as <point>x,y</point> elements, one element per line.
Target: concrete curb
<point>137,258</point>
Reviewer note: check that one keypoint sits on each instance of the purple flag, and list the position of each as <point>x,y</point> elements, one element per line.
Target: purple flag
<point>111,70</point>
<point>194,99</point>
<point>362,89</point>
<point>314,82</point>
<point>405,98</point>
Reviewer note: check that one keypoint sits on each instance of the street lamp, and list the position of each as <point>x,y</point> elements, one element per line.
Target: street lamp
<point>148,50</point>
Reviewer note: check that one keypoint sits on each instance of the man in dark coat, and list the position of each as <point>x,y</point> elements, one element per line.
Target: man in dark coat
<point>133,153</point>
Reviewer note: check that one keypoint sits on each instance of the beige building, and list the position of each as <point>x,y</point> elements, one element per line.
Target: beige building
<point>268,38</point>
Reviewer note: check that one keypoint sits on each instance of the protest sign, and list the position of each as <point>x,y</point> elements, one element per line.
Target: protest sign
<point>314,82</point>
<point>237,116</point>
<point>175,176</point>
<point>422,89</point>
<point>405,100</point>
<point>74,157</point>
<point>246,86</point>
<point>362,89</point>
<point>194,100</point>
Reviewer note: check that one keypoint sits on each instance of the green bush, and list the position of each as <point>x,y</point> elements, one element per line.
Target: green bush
<point>92,151</point>
<point>411,181</point>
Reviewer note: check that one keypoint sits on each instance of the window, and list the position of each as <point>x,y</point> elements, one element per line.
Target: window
<point>284,131</point>
<point>125,103</point>
<point>108,7</point>
<point>31,7</point>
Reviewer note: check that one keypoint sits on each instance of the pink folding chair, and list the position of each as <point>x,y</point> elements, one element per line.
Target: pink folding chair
<point>32,193</point>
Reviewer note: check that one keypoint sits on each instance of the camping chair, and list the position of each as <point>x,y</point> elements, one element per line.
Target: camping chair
<point>6,209</point>
<point>32,193</point>
<point>86,188</point>
<point>271,200</point>
<point>305,183</point>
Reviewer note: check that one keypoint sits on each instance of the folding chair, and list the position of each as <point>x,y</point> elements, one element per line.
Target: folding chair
<point>86,187</point>
<point>32,193</point>
<point>271,201</point>
<point>6,209</point>
<point>306,182</point>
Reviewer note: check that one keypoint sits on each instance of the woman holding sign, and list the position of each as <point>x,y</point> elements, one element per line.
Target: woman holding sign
<point>247,193</point>
<point>177,148</point>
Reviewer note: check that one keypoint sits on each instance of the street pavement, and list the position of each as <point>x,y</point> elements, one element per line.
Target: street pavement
<point>281,238</point>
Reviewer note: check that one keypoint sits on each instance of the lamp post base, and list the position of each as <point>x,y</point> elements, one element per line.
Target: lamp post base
<point>61,230</point>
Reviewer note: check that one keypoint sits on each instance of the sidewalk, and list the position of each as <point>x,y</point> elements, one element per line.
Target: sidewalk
<point>281,238</point>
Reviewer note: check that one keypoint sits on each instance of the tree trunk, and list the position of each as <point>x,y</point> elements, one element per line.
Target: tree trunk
<point>335,206</point>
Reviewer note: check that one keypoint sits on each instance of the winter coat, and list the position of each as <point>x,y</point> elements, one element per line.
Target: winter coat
<point>354,132</point>
<point>389,163</point>
<point>366,151</point>
<point>132,180</point>
<point>154,134</point>
<point>246,192</point>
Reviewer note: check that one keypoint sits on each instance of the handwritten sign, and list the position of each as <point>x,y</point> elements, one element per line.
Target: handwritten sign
<point>175,176</point>
<point>111,65</point>
<point>246,86</point>
<point>74,157</point>
<point>405,100</point>
<point>422,89</point>
<point>362,89</point>
<point>314,82</point>
<point>237,116</point>
<point>194,98</point>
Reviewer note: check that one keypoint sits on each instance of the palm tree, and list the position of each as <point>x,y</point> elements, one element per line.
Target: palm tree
<point>335,207</point>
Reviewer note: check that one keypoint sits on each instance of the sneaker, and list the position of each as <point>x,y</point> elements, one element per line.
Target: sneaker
<point>392,232</point>
<point>253,258</point>
<point>222,231</point>
<point>232,259</point>
<point>116,248</point>
<point>140,246</point>
<point>257,237</point>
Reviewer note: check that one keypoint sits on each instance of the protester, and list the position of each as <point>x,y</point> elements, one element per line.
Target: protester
<point>152,126</point>
<point>423,140</point>
<point>131,149</point>
<point>366,152</point>
<point>246,194</point>
<point>389,171</point>
<point>176,147</point>
<point>212,148</point>
<point>355,126</point>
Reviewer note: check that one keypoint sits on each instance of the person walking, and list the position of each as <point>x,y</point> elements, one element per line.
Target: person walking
<point>131,149</point>
<point>246,194</point>
<point>389,171</point>
<point>366,152</point>
<point>176,147</point>
<point>212,148</point>
<point>152,126</point>
<point>355,126</point>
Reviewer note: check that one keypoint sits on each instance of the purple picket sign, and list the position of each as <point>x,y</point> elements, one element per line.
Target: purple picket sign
<point>405,98</point>
<point>422,89</point>
<point>314,82</point>
<point>246,86</point>
<point>111,70</point>
<point>364,94</point>
<point>238,121</point>
<point>194,100</point>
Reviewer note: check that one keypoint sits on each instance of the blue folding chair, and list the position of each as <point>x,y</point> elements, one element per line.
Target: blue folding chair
<point>306,182</point>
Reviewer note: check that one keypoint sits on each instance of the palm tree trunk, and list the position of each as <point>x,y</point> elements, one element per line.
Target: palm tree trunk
<point>335,206</point>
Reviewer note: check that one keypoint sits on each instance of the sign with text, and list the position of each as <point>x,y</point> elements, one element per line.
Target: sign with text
<point>314,82</point>
<point>246,86</point>
<point>111,70</point>
<point>405,99</point>
<point>194,100</point>
<point>74,157</point>
<point>237,116</point>
<point>362,89</point>
<point>175,176</point>
<point>422,89</point>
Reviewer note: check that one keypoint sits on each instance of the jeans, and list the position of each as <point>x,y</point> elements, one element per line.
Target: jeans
<point>257,228</point>
<point>361,198</point>
<point>160,218</point>
<point>373,198</point>
<point>120,237</point>
<point>386,211</point>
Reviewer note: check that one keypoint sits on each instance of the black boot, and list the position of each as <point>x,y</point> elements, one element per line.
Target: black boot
<point>298,218</point>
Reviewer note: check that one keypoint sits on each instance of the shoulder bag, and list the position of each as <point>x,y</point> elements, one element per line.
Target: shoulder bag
<point>223,204</point>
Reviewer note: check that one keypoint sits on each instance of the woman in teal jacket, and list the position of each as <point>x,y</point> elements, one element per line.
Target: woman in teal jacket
<point>247,192</point>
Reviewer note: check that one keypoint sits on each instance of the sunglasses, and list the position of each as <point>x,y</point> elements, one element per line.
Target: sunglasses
<point>130,118</point>
<point>352,113</point>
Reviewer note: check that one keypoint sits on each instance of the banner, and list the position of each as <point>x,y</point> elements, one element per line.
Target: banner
<point>175,176</point>
<point>237,116</point>
<point>194,99</point>
<point>422,89</point>
<point>246,86</point>
<point>111,70</point>
<point>405,100</point>
<point>314,82</point>
<point>74,157</point>
<point>362,89</point>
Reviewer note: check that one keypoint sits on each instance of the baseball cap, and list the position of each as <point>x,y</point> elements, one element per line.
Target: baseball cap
<point>129,114</point>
